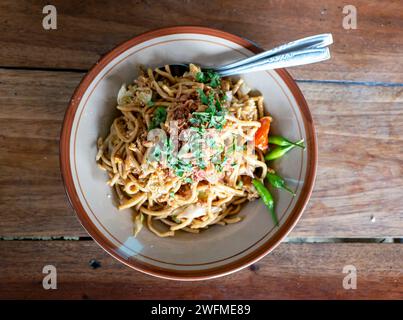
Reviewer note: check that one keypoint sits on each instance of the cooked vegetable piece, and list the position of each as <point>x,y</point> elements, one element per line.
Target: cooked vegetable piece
<point>278,182</point>
<point>262,134</point>
<point>281,141</point>
<point>266,197</point>
<point>279,151</point>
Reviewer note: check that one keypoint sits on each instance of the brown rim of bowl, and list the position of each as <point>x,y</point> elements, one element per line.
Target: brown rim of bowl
<point>192,275</point>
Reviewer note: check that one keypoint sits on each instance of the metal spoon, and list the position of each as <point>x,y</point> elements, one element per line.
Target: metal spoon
<point>303,51</point>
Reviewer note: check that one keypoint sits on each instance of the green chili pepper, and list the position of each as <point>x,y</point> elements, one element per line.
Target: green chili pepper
<point>266,197</point>
<point>278,152</point>
<point>278,182</point>
<point>281,141</point>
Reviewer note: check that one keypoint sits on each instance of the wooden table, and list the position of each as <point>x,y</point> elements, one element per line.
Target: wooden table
<point>355,215</point>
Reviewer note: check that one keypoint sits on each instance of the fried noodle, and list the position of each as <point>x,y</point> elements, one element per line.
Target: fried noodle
<point>181,152</point>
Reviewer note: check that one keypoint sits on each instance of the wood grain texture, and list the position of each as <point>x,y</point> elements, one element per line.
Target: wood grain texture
<point>292,271</point>
<point>88,29</point>
<point>360,172</point>
<point>32,198</point>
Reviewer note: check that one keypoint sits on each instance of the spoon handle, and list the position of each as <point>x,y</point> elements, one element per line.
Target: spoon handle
<point>290,59</point>
<point>313,42</point>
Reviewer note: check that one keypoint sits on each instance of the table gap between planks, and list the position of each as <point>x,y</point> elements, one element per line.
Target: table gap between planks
<point>355,98</point>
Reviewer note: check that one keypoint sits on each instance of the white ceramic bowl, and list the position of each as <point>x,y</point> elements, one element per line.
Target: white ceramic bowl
<point>218,250</point>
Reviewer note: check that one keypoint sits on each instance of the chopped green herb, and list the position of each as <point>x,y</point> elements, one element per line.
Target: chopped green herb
<point>150,103</point>
<point>188,180</point>
<point>203,97</point>
<point>218,105</point>
<point>156,153</point>
<point>213,116</point>
<point>217,121</point>
<point>198,130</point>
<point>160,115</point>
<point>198,153</point>
<point>201,164</point>
<point>223,96</point>
<point>215,79</point>
<point>209,77</point>
<point>200,77</point>
<point>210,101</point>
<point>199,118</point>
<point>181,167</point>
<point>218,167</point>
<point>211,142</point>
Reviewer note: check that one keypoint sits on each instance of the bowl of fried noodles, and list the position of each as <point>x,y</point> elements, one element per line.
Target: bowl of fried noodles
<point>187,176</point>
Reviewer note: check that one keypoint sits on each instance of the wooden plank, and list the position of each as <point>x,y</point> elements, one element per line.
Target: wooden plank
<point>360,170</point>
<point>292,271</point>
<point>359,181</point>
<point>372,52</point>
<point>32,199</point>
